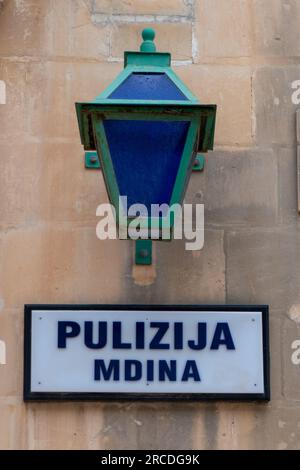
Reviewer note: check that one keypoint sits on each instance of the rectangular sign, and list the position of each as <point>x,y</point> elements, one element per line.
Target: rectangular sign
<point>146,352</point>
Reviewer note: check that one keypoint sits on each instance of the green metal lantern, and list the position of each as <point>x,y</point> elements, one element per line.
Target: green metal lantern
<point>147,129</point>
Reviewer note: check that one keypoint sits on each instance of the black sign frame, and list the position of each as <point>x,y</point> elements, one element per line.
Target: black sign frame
<point>28,395</point>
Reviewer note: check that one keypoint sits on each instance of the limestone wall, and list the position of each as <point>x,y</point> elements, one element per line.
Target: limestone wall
<point>243,55</point>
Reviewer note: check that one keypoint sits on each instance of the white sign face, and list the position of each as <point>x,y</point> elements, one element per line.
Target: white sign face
<point>118,351</point>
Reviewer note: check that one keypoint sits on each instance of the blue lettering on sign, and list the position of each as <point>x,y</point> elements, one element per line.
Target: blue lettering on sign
<point>150,371</point>
<point>178,335</point>
<point>222,337</point>
<point>191,372</point>
<point>96,335</point>
<point>113,370</point>
<point>201,340</point>
<point>140,335</point>
<point>153,336</point>
<point>167,370</point>
<point>117,337</point>
<point>134,370</point>
<point>66,329</point>
<point>162,329</point>
<point>102,335</point>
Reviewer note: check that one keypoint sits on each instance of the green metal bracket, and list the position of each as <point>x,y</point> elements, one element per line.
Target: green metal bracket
<point>92,160</point>
<point>143,252</point>
<point>199,163</point>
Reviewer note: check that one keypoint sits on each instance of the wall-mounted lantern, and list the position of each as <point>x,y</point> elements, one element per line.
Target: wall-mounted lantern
<point>146,132</point>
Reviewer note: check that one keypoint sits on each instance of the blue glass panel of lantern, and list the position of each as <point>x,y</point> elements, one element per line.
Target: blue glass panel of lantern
<point>146,157</point>
<point>148,86</point>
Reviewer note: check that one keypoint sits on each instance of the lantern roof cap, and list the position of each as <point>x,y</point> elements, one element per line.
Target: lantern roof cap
<point>148,82</point>
<point>147,77</point>
<point>147,56</point>
<point>148,36</point>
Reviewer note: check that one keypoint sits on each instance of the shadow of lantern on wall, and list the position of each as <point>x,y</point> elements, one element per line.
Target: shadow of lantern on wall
<point>146,132</point>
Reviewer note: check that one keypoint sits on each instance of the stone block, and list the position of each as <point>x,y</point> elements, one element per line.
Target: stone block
<point>23,27</point>
<point>298,125</point>
<point>12,425</point>
<point>154,7</point>
<point>276,29</point>
<point>277,427</point>
<point>230,88</point>
<point>201,274</point>
<point>48,182</point>
<point>11,373</point>
<point>59,264</point>
<point>13,114</point>
<point>276,321</point>
<point>50,93</point>
<point>66,426</point>
<point>223,29</point>
<point>238,187</point>
<point>168,426</point>
<point>262,267</point>
<point>60,28</point>
<point>287,186</point>
<point>291,359</point>
<point>273,106</point>
<point>298,176</point>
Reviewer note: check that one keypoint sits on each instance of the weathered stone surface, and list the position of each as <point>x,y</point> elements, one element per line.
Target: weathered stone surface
<point>225,426</point>
<point>38,182</point>
<point>50,93</point>
<point>223,30</point>
<point>287,191</point>
<point>89,39</point>
<point>298,124</point>
<point>278,426</point>
<point>277,347</point>
<point>12,425</point>
<point>273,106</point>
<point>230,88</point>
<point>66,426</point>
<point>276,29</point>
<point>298,176</point>
<point>60,264</point>
<point>56,28</point>
<point>41,97</point>
<point>22,27</point>
<point>20,168</point>
<point>68,195</point>
<point>201,274</point>
<point>291,364</point>
<point>262,267</point>
<point>233,191</point>
<point>150,426</point>
<point>204,269</point>
<point>170,37</point>
<point>12,114</point>
<point>126,10</point>
<point>11,331</point>
<point>138,7</point>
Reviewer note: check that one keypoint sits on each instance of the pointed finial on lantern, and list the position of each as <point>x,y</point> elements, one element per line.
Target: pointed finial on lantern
<point>148,45</point>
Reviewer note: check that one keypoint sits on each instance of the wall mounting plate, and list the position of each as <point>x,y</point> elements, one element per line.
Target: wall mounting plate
<point>143,252</point>
<point>92,161</point>
<point>199,163</point>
